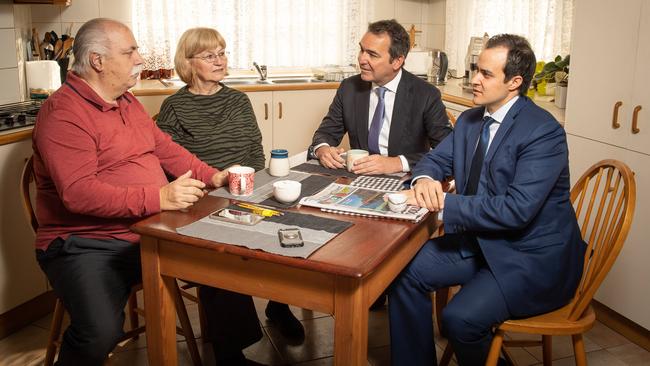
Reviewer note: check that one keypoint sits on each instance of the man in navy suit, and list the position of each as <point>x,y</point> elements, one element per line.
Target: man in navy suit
<point>511,236</point>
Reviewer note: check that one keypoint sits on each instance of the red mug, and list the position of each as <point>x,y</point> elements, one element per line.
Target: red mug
<point>241,180</point>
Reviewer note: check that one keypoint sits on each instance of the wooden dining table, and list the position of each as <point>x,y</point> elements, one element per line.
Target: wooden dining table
<point>343,277</point>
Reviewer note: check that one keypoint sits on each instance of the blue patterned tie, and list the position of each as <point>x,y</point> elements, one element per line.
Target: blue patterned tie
<point>479,155</point>
<point>377,122</point>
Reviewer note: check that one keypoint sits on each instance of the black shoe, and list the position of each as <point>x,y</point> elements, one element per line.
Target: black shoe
<point>379,303</point>
<point>290,327</point>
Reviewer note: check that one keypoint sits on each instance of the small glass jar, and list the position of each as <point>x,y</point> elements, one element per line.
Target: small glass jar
<point>279,164</point>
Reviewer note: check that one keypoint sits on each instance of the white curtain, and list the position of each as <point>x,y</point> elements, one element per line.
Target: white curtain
<point>545,23</point>
<point>271,32</point>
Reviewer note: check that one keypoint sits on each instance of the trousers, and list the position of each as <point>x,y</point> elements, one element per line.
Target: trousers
<point>467,319</point>
<point>93,279</point>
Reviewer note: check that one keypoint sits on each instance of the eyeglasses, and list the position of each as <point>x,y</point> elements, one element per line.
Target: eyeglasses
<point>211,57</point>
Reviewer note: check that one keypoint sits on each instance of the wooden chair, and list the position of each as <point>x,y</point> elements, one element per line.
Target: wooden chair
<point>604,200</point>
<point>54,339</point>
<point>452,118</point>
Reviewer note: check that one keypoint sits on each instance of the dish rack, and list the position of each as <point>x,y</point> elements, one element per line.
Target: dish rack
<point>335,73</point>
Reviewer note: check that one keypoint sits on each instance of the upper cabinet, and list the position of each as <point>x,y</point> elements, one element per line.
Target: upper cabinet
<point>53,2</point>
<point>609,74</point>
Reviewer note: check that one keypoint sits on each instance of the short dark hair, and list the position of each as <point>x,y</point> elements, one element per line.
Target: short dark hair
<point>399,38</point>
<point>521,58</point>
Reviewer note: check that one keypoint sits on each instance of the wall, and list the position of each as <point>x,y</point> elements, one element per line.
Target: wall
<point>428,16</point>
<point>10,75</point>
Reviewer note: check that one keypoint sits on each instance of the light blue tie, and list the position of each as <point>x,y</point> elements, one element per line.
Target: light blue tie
<point>377,122</point>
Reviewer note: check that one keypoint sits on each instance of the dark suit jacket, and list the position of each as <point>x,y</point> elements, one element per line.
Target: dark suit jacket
<point>419,120</point>
<point>521,217</point>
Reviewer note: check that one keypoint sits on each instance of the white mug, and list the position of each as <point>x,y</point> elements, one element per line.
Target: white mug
<point>352,156</point>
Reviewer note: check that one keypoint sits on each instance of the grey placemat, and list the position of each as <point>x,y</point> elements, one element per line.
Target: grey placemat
<point>264,235</point>
<point>263,192</point>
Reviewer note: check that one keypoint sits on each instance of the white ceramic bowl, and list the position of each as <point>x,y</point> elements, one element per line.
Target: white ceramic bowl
<point>286,191</point>
<point>397,207</point>
<point>397,198</point>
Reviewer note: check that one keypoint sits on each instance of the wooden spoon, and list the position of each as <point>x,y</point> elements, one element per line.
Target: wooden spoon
<point>58,48</point>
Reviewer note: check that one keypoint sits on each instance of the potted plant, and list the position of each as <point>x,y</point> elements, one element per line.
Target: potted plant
<point>555,72</point>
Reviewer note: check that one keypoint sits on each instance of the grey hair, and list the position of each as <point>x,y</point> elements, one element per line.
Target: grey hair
<point>92,37</point>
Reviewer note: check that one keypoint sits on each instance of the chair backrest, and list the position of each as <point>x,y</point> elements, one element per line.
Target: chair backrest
<point>604,199</point>
<point>452,118</point>
<point>26,179</point>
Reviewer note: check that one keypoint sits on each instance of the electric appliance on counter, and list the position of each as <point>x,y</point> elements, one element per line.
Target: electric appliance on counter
<point>418,62</point>
<point>18,115</point>
<point>439,68</point>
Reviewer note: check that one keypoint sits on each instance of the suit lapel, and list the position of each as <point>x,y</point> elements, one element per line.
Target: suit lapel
<point>505,127</point>
<point>473,133</point>
<point>401,112</point>
<point>362,103</point>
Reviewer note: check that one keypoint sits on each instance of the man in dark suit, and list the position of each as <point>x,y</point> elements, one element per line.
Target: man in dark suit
<point>386,110</point>
<point>511,236</point>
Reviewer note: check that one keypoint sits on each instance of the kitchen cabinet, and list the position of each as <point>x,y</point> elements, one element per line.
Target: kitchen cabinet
<point>288,119</point>
<point>22,279</point>
<point>623,31</point>
<point>53,2</point>
<point>595,101</point>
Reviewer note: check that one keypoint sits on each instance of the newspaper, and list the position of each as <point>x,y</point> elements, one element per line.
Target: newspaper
<point>346,199</point>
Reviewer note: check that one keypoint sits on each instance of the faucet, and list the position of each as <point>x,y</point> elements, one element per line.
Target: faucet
<point>261,69</point>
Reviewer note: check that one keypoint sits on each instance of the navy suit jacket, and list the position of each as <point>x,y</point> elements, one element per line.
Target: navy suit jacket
<point>419,121</point>
<point>521,218</point>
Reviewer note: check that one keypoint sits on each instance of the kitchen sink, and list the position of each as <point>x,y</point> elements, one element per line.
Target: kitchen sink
<point>295,81</point>
<point>270,81</point>
<point>246,82</point>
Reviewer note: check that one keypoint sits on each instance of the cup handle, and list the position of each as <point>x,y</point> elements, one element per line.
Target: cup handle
<point>242,184</point>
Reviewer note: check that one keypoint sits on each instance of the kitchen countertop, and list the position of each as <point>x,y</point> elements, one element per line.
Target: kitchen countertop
<point>451,92</point>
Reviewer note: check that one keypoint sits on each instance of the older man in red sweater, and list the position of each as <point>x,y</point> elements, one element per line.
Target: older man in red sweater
<point>100,164</point>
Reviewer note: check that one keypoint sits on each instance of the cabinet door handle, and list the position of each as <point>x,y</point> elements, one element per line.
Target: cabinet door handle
<point>635,117</point>
<point>279,110</point>
<point>266,111</point>
<point>615,123</point>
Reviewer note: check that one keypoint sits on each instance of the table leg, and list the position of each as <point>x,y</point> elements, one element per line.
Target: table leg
<point>160,313</point>
<point>350,323</point>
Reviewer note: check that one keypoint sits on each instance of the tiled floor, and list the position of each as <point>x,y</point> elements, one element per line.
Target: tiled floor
<point>604,346</point>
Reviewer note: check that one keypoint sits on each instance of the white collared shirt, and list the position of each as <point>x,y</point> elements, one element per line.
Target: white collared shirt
<point>389,104</point>
<point>498,116</point>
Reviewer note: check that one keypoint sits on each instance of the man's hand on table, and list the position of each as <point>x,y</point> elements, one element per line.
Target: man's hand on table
<point>377,164</point>
<point>330,157</point>
<point>429,194</point>
<point>181,193</point>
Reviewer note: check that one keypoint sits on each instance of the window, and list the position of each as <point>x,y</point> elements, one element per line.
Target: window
<point>545,23</point>
<point>272,32</point>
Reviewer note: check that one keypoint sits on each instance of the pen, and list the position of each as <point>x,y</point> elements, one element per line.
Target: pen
<point>260,210</point>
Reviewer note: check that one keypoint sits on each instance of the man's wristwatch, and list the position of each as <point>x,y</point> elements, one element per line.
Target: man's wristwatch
<point>311,153</point>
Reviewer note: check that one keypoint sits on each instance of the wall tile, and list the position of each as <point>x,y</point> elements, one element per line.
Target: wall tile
<point>409,11</point>
<point>435,36</point>
<point>80,11</point>
<point>10,92</point>
<point>384,9</point>
<point>115,9</point>
<point>8,42</point>
<point>6,15</point>
<point>435,13</point>
<point>46,13</point>
<point>42,28</point>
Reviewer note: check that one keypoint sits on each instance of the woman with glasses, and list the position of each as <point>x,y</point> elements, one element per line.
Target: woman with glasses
<point>218,125</point>
<point>211,120</point>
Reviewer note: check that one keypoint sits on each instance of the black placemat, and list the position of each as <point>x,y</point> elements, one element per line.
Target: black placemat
<point>306,221</point>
